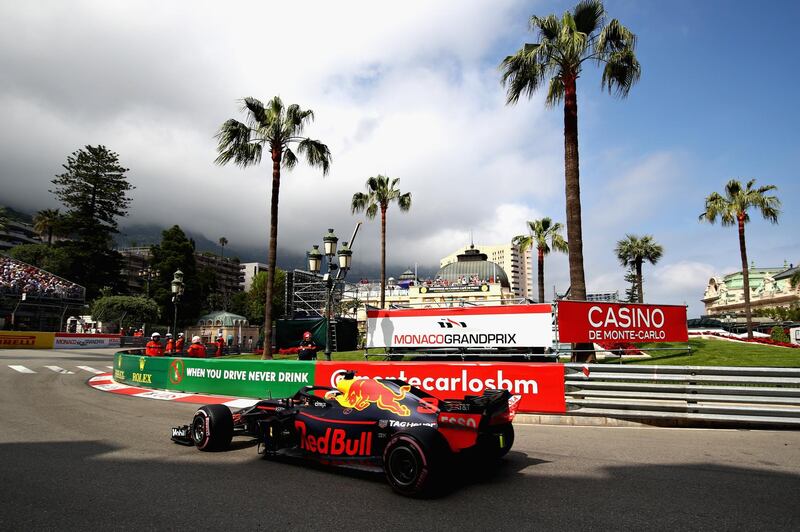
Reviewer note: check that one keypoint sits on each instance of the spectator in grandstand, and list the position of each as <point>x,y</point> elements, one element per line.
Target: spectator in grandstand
<point>154,347</point>
<point>170,344</point>
<point>20,278</point>
<point>179,343</point>
<point>197,349</point>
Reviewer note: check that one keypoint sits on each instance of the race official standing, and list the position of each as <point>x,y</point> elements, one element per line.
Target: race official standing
<point>154,347</point>
<point>179,343</point>
<point>197,349</point>
<point>170,344</point>
<point>220,345</point>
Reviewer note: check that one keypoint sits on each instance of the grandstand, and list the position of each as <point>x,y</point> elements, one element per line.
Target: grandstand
<point>35,299</point>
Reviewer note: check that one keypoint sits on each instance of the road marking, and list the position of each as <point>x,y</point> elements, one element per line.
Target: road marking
<point>110,367</point>
<point>62,371</point>
<point>22,369</point>
<point>91,370</point>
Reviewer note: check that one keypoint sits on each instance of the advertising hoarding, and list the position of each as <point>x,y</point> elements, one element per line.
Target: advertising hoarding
<point>587,321</point>
<point>26,340</point>
<point>466,327</point>
<point>84,341</point>
<point>541,386</point>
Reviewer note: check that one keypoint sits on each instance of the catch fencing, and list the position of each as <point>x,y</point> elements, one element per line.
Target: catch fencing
<point>685,393</point>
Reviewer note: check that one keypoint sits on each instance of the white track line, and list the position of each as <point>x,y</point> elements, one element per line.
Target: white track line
<point>60,370</point>
<point>91,370</point>
<point>22,369</point>
<point>110,367</point>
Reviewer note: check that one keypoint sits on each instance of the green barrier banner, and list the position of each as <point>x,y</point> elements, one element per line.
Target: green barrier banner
<point>241,378</point>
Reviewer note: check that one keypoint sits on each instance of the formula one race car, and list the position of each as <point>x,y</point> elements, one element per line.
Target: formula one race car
<point>372,424</point>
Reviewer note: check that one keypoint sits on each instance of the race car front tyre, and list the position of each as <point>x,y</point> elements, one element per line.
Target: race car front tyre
<point>416,462</point>
<point>212,428</point>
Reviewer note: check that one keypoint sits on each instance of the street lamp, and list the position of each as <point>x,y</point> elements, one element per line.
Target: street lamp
<point>148,273</point>
<point>344,257</point>
<point>177,291</point>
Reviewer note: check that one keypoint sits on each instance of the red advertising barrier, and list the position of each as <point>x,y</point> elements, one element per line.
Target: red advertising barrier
<point>586,321</point>
<point>541,386</point>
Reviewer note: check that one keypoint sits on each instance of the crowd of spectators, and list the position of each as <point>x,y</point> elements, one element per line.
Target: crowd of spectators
<point>463,280</point>
<point>19,278</point>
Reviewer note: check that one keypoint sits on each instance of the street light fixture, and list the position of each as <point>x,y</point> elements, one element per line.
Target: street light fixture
<point>345,257</point>
<point>148,274</point>
<point>177,286</point>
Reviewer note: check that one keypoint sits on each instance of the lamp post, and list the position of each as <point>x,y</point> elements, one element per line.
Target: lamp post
<point>148,273</point>
<point>338,262</point>
<point>177,291</point>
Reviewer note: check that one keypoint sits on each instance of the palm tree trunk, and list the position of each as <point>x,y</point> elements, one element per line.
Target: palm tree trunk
<point>273,249</point>
<point>745,278</point>
<point>49,236</point>
<point>573,191</point>
<point>577,281</point>
<point>383,257</point>
<point>639,281</point>
<point>540,264</point>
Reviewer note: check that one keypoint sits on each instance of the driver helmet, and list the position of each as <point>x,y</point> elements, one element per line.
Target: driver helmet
<point>155,335</point>
<point>195,339</point>
<point>306,335</point>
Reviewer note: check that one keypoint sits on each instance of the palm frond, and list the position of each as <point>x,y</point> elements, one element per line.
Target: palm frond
<point>317,154</point>
<point>523,73</point>
<point>372,211</point>
<point>615,37</point>
<point>555,91</point>
<point>621,72</point>
<point>234,144</point>
<point>588,15</point>
<point>548,27</point>
<point>289,159</point>
<point>404,201</point>
<point>257,115</point>
<point>359,202</point>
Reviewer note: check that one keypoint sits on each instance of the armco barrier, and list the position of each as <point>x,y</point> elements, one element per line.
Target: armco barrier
<point>739,395</point>
<point>243,378</point>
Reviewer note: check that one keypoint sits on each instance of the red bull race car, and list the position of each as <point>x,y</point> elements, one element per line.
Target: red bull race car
<point>372,424</point>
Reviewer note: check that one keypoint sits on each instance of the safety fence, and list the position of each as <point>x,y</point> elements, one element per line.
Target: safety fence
<point>685,393</point>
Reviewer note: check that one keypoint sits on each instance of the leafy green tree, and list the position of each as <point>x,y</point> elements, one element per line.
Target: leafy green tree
<point>256,297</point>
<point>731,209</point>
<point>176,252</point>
<point>778,334</point>
<point>631,294</point>
<point>632,251</point>
<point>48,222</point>
<point>125,310</point>
<point>94,189</point>
<point>546,236</point>
<point>795,279</point>
<point>275,128</point>
<point>557,60</point>
<point>381,192</point>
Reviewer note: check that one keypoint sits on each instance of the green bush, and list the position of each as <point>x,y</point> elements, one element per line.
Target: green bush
<point>779,334</point>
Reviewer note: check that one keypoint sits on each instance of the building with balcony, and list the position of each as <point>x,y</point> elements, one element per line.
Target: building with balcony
<point>516,265</point>
<point>769,287</point>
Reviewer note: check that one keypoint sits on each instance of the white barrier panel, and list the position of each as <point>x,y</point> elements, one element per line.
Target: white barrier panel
<point>471,327</point>
<point>84,341</point>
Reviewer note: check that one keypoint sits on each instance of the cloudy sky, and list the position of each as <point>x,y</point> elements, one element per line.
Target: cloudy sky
<point>412,90</point>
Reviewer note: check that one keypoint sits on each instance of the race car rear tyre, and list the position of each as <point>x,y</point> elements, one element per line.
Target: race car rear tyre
<point>212,428</point>
<point>416,462</point>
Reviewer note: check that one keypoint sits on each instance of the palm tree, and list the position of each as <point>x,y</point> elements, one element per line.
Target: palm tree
<point>47,222</point>
<point>732,209</point>
<point>546,235</point>
<point>222,243</point>
<point>381,191</point>
<point>557,59</point>
<point>633,251</point>
<point>276,128</point>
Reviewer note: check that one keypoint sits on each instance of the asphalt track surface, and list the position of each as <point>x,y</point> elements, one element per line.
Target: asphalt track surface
<point>75,457</point>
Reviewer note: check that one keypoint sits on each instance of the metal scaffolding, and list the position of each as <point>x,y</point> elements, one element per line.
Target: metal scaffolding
<point>306,297</point>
